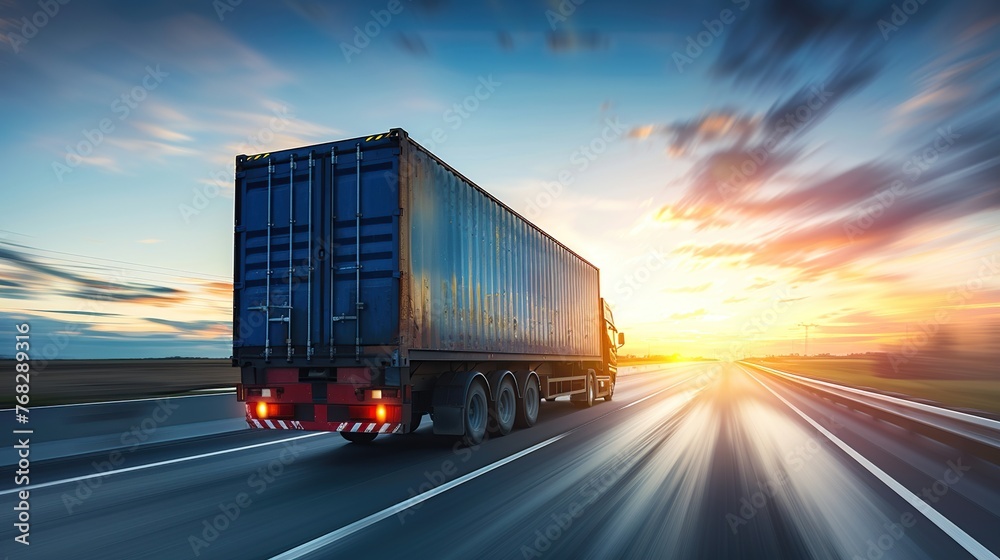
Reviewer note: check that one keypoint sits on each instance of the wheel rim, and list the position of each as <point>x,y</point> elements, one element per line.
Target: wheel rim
<point>477,413</point>
<point>505,406</point>
<point>531,401</point>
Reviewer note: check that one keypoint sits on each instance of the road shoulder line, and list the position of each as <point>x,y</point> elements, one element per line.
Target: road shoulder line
<point>971,545</point>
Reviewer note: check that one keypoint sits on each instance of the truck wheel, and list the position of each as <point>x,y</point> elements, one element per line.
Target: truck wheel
<point>476,414</point>
<point>611,392</point>
<point>591,392</point>
<point>415,421</point>
<point>504,408</point>
<point>355,437</point>
<point>527,406</point>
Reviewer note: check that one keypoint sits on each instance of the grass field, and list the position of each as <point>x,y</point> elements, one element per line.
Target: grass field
<point>975,394</point>
<point>73,381</point>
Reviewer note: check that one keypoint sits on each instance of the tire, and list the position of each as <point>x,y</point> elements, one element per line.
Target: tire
<point>591,391</point>
<point>504,409</point>
<point>356,437</point>
<point>476,414</point>
<point>527,406</point>
<point>415,418</point>
<point>612,392</point>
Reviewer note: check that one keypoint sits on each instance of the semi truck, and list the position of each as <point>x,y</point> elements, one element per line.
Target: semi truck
<point>374,284</point>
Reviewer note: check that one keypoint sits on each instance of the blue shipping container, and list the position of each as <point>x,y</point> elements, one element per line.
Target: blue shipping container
<point>373,246</point>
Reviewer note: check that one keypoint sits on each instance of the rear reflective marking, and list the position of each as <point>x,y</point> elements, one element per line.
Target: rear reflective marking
<point>364,427</point>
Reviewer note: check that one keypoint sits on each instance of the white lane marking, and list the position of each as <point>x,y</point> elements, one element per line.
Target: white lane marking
<point>633,403</point>
<point>954,531</point>
<point>156,464</point>
<point>937,410</point>
<point>347,530</point>
<point>215,453</point>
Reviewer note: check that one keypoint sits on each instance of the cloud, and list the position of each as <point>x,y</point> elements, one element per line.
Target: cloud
<point>964,75</point>
<point>34,277</point>
<point>687,135</point>
<point>193,326</point>
<point>569,42</point>
<point>690,315</point>
<point>689,289</point>
<point>162,133</point>
<point>778,39</point>
<point>760,283</point>
<point>412,43</point>
<point>820,220</point>
<point>75,312</point>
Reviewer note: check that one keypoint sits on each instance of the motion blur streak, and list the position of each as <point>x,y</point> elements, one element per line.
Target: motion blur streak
<point>960,536</point>
<point>714,466</point>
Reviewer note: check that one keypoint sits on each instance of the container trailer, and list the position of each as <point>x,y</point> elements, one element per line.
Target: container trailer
<point>374,284</point>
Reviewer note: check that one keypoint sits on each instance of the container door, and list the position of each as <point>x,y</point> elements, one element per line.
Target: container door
<point>365,251</point>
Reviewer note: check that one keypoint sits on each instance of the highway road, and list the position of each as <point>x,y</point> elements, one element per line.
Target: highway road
<point>703,460</point>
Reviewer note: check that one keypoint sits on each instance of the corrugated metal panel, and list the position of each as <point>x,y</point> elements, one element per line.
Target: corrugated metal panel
<point>317,303</point>
<point>483,279</point>
<point>444,266</point>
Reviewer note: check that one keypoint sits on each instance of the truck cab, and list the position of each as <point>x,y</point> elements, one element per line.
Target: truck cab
<point>613,340</point>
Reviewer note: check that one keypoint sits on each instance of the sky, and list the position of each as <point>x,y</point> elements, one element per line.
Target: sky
<point>737,169</point>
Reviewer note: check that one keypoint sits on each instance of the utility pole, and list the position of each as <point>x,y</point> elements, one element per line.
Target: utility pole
<point>807,325</point>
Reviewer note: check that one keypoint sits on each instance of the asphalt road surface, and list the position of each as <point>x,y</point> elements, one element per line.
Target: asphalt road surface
<point>692,461</point>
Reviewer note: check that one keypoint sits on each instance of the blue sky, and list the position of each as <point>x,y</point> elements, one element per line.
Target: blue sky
<point>128,247</point>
